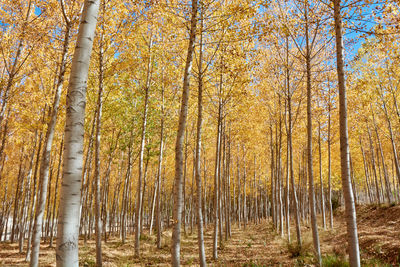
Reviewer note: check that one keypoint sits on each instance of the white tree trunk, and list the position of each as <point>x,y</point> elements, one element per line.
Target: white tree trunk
<point>309,148</point>
<point>69,207</point>
<point>98,222</point>
<point>350,211</point>
<point>177,211</point>
<point>200,234</point>
<point>139,194</point>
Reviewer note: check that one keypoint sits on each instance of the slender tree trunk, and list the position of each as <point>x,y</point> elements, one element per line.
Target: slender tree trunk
<point>350,210</point>
<point>53,216</point>
<point>220,173</point>
<point>287,197</point>
<point>228,212</point>
<point>216,183</point>
<point>200,234</point>
<point>98,221</point>
<point>329,165</point>
<point>160,160</point>
<point>273,210</point>
<point>279,171</point>
<point>34,193</point>
<point>320,177</point>
<point>139,193</point>
<point>309,148</point>
<point>177,211</point>
<point>239,211</point>
<point>245,216</point>
<point>48,198</point>
<point>184,183</point>
<point>291,172</point>
<point>374,167</point>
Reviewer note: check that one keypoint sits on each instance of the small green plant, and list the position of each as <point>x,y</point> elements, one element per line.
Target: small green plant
<point>334,261</point>
<point>249,244</point>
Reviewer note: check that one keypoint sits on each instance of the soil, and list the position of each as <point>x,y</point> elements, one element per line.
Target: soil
<point>257,245</point>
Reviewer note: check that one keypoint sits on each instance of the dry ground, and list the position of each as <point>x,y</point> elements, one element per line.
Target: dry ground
<point>258,245</point>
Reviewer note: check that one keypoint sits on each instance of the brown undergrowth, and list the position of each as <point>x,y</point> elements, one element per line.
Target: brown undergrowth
<point>258,245</point>
<point>379,233</point>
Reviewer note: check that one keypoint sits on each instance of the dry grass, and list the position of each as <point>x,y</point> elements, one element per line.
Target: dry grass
<point>258,245</point>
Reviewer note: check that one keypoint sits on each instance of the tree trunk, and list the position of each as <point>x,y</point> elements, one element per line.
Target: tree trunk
<point>309,148</point>
<point>160,160</point>
<point>200,234</point>
<point>320,177</point>
<point>55,193</point>
<point>34,193</point>
<point>374,167</point>
<point>216,183</point>
<point>291,172</point>
<point>139,193</point>
<point>350,210</point>
<point>98,221</point>
<point>68,219</point>
<point>329,165</point>
<point>177,211</point>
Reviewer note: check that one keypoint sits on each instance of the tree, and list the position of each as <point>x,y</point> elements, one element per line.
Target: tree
<point>352,237</point>
<point>200,235</point>
<point>68,221</point>
<point>177,211</point>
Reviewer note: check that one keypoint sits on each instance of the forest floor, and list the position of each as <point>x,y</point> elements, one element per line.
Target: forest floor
<point>258,245</point>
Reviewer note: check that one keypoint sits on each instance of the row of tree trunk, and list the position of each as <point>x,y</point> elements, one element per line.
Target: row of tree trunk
<point>238,192</point>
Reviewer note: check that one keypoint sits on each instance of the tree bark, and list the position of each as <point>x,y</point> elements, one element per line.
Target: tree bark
<point>329,165</point>
<point>309,147</point>
<point>291,171</point>
<point>68,219</point>
<point>216,183</point>
<point>320,177</point>
<point>350,210</point>
<point>177,211</point>
<point>200,234</point>
<point>98,221</point>
<point>160,160</point>
<point>139,193</point>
